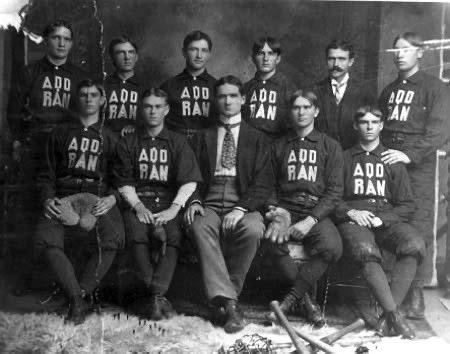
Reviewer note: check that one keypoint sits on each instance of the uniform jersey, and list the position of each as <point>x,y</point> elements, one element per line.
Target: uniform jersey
<point>161,163</point>
<point>371,185</point>
<point>190,100</point>
<point>42,96</point>
<point>79,159</point>
<point>122,100</point>
<point>417,107</point>
<point>311,165</point>
<point>267,104</point>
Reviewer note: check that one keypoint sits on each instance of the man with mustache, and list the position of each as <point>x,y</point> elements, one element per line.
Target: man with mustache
<point>191,92</point>
<point>122,87</point>
<point>340,95</point>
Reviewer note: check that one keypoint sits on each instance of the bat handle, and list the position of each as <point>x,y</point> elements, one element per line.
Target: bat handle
<point>359,323</point>
<point>300,347</point>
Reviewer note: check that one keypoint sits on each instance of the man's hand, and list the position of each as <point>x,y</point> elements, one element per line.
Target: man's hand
<point>166,215</point>
<point>280,220</point>
<point>127,130</point>
<point>143,214</point>
<point>231,219</point>
<point>17,151</point>
<point>377,222</point>
<point>361,217</point>
<point>51,210</point>
<point>392,156</point>
<point>298,231</point>
<point>104,205</point>
<point>193,210</point>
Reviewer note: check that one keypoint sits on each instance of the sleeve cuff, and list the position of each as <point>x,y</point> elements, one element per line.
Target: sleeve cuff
<point>129,194</point>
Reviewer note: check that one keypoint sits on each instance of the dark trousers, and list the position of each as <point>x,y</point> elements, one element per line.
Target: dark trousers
<point>225,259</point>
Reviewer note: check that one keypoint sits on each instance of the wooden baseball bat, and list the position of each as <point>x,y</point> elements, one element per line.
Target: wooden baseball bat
<point>300,347</point>
<point>333,337</point>
<point>316,342</point>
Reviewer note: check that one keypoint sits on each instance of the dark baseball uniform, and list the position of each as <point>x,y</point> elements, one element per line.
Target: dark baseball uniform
<point>79,159</point>
<point>416,123</point>
<point>122,99</point>
<point>156,167</point>
<point>42,97</point>
<point>385,191</point>
<point>191,102</point>
<point>308,172</point>
<point>267,104</point>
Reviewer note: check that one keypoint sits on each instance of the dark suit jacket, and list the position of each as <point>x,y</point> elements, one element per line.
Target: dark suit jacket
<point>252,165</point>
<point>337,121</point>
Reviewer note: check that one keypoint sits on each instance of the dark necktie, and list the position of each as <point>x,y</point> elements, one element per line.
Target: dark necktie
<point>229,147</point>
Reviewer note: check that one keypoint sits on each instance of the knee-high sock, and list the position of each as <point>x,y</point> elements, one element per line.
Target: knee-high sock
<point>378,283</point>
<point>164,271</point>
<point>95,271</point>
<point>63,269</point>
<point>402,276</point>
<point>143,261</point>
<point>308,275</point>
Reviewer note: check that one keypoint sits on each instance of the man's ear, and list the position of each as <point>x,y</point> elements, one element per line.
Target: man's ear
<point>419,53</point>
<point>278,59</point>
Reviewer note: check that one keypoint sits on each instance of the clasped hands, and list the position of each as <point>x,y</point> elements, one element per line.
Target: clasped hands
<point>364,218</point>
<point>145,216</point>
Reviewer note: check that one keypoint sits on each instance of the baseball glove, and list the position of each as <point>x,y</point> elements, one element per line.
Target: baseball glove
<point>280,220</point>
<point>76,210</point>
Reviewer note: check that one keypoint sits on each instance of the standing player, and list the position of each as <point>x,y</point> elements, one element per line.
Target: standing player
<point>79,159</point>
<point>226,224</point>
<point>340,94</point>
<point>376,207</point>
<point>307,166</point>
<point>42,97</point>
<point>191,91</point>
<point>156,173</point>
<point>122,88</point>
<point>416,107</point>
<point>267,94</point>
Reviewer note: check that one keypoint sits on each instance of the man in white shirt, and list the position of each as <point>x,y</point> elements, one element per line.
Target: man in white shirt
<point>224,209</point>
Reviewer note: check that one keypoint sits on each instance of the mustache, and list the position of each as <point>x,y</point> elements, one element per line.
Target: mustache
<point>337,68</point>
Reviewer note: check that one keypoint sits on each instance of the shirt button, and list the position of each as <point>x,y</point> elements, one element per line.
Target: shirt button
<point>56,68</point>
<point>404,81</point>
<point>123,82</point>
<point>195,78</point>
<point>85,129</point>
<point>302,139</point>
<point>264,82</point>
<point>367,153</point>
<point>153,139</point>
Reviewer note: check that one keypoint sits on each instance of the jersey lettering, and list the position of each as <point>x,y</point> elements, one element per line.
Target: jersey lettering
<point>83,153</point>
<point>123,104</point>
<point>302,165</point>
<point>400,105</point>
<point>153,164</point>
<point>263,104</point>
<point>195,101</point>
<point>56,93</point>
<point>369,179</point>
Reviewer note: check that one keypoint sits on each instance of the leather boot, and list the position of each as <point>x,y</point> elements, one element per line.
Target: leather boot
<point>234,317</point>
<point>78,310</point>
<point>287,306</point>
<point>158,308</point>
<point>399,325</point>
<point>415,306</point>
<point>313,312</point>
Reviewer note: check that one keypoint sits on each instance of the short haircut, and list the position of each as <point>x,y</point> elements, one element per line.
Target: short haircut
<point>157,92</point>
<point>196,36</point>
<point>368,108</point>
<point>273,44</point>
<point>411,37</point>
<point>310,95</point>
<point>119,40</point>
<point>231,80</point>
<point>91,83</point>
<point>340,44</point>
<point>51,27</point>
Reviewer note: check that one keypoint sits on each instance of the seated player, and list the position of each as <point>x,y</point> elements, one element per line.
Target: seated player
<point>79,160</point>
<point>156,172</point>
<point>307,166</point>
<point>376,207</point>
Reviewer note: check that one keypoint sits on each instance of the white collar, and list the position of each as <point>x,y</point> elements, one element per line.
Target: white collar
<point>232,120</point>
<point>342,83</point>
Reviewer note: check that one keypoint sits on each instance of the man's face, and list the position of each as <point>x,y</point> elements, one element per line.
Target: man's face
<point>303,113</point>
<point>154,110</point>
<point>197,54</point>
<point>368,127</point>
<point>266,60</point>
<point>125,57</point>
<point>90,100</point>
<point>406,55</point>
<point>338,63</point>
<point>229,100</point>
<point>59,43</point>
